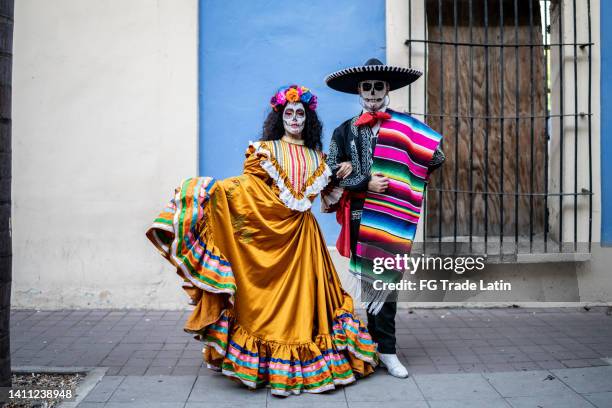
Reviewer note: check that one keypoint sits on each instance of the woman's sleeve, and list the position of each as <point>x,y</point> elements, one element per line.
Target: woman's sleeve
<point>253,157</point>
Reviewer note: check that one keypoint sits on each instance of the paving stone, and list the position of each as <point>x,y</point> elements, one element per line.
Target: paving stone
<point>526,366</point>
<point>159,370</point>
<point>232,405</point>
<point>104,389</point>
<point>144,404</point>
<point>190,362</point>
<point>576,363</point>
<point>138,362</point>
<point>449,368</point>
<point>164,362</point>
<point>113,370</point>
<point>413,352</point>
<point>541,356</point>
<point>328,399</point>
<point>438,352</point>
<point>388,404</point>
<point>152,346</point>
<point>453,386</point>
<point>131,370</point>
<point>467,358</point>
<point>418,360</point>
<point>221,389</point>
<point>473,368</point>
<point>551,364</point>
<point>422,369</point>
<point>145,353</point>
<point>587,353</point>
<point>169,354</point>
<point>598,361</point>
<point>494,358</point>
<point>444,360</point>
<point>565,399</point>
<point>154,389</point>
<point>526,383</point>
<point>185,370</point>
<point>587,380</point>
<point>382,388</point>
<point>486,403</point>
<point>600,399</point>
<point>114,361</point>
<point>461,351</point>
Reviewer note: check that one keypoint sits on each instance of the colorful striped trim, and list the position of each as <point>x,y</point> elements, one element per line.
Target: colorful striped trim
<point>312,367</point>
<point>178,233</point>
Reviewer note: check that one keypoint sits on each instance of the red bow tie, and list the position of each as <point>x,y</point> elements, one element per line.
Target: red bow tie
<point>370,118</point>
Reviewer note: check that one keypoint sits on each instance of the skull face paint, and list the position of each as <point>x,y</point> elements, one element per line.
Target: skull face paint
<point>294,118</point>
<point>373,94</point>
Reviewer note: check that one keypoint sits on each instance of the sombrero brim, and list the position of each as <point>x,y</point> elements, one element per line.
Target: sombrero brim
<point>347,80</point>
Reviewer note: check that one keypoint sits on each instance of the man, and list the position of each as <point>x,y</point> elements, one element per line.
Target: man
<point>392,154</point>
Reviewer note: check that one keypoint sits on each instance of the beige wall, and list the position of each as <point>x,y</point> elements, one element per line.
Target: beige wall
<point>104,126</point>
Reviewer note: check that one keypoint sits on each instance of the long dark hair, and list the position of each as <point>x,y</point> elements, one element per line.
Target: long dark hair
<point>273,128</point>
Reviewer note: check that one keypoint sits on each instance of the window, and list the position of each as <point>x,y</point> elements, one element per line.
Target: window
<point>508,84</point>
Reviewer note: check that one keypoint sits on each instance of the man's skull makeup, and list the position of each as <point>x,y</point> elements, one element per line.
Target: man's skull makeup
<point>294,118</point>
<point>373,94</point>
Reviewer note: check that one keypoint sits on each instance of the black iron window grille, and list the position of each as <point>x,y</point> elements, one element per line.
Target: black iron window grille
<point>508,84</point>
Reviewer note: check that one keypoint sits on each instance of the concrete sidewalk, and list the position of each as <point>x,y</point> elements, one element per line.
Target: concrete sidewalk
<point>555,357</point>
<point>569,387</point>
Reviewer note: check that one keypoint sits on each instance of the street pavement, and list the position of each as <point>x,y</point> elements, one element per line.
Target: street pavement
<point>476,357</point>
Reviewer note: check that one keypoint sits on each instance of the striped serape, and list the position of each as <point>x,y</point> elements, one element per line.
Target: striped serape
<point>389,220</point>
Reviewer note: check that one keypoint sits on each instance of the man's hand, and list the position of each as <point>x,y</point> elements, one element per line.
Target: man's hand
<point>344,169</point>
<point>378,183</point>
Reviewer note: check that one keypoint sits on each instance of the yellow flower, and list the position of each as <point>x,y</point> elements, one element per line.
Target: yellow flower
<point>292,95</point>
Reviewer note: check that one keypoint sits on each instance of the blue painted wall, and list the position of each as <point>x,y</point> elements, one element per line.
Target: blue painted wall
<point>249,48</point>
<point>606,122</point>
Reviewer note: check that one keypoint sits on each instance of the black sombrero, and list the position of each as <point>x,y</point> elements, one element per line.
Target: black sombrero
<point>347,80</point>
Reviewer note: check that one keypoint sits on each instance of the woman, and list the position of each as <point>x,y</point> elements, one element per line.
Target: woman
<point>269,305</point>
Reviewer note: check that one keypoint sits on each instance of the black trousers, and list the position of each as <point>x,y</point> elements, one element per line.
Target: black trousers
<point>382,325</point>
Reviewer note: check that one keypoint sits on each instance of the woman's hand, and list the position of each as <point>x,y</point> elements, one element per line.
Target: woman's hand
<point>344,169</point>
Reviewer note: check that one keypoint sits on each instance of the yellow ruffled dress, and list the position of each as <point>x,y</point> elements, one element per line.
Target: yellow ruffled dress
<point>270,308</point>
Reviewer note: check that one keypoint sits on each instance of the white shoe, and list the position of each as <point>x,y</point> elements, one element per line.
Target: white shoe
<point>393,365</point>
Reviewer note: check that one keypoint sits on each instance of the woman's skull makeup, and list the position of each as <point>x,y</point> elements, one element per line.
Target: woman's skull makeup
<point>294,118</point>
<point>373,94</point>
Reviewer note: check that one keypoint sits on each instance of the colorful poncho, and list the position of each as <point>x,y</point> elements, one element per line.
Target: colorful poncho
<point>389,220</point>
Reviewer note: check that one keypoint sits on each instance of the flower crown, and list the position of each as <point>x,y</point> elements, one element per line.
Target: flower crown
<point>293,93</point>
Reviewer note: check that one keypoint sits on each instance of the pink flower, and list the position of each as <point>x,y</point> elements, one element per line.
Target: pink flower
<point>280,98</point>
<point>313,103</point>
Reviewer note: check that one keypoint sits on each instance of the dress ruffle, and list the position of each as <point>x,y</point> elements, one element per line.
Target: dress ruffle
<point>332,359</point>
<point>198,261</point>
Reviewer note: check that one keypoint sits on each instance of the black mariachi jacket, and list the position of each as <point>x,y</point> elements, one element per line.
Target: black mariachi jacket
<point>356,144</point>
